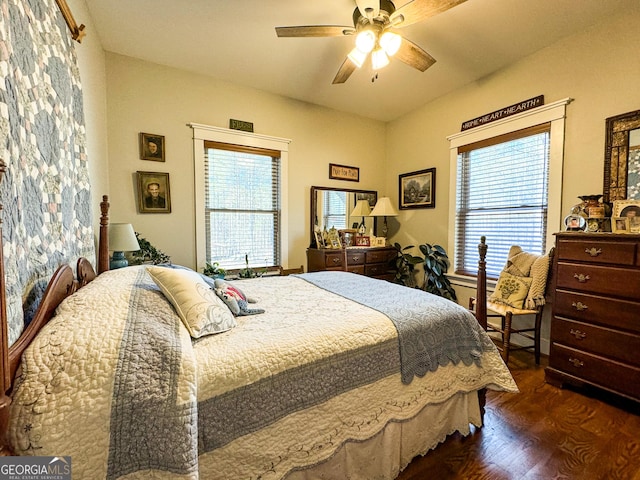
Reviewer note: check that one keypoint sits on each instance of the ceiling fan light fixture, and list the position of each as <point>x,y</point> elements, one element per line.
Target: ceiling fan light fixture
<point>365,41</point>
<point>390,42</point>
<point>379,59</point>
<point>357,57</point>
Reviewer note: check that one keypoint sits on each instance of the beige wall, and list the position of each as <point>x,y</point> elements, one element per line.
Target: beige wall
<point>145,97</point>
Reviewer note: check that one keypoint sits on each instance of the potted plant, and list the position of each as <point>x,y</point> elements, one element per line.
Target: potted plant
<point>405,265</point>
<point>436,264</point>
<point>214,270</point>
<point>148,254</point>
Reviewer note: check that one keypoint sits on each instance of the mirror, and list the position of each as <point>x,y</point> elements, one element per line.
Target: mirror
<point>622,157</point>
<point>332,207</point>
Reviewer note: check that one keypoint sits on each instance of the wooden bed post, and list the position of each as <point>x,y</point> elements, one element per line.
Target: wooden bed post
<point>103,243</point>
<point>481,287</point>
<point>5,370</point>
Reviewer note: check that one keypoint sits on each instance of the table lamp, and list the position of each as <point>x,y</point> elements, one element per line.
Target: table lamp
<point>122,239</point>
<point>361,209</point>
<point>384,208</point>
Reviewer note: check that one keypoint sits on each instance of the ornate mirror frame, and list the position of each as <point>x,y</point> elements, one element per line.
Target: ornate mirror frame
<point>616,155</point>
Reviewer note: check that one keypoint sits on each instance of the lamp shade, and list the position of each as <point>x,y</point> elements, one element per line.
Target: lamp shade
<point>361,209</point>
<point>384,208</point>
<point>122,238</point>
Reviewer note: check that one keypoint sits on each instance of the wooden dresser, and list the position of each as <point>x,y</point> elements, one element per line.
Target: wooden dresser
<point>595,329</point>
<point>375,262</point>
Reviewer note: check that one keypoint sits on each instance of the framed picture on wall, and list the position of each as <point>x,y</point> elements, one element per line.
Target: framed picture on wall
<point>152,147</point>
<point>417,189</point>
<point>153,192</point>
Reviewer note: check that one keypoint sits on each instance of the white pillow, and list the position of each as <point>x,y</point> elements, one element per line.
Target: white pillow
<point>200,309</point>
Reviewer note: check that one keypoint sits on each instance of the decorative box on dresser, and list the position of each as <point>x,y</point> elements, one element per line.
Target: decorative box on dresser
<point>595,328</point>
<point>374,262</point>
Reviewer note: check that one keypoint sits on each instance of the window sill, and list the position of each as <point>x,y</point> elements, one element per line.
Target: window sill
<point>469,282</point>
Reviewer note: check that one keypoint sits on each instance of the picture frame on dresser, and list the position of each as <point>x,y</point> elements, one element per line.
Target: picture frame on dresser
<point>629,209</point>
<point>620,224</point>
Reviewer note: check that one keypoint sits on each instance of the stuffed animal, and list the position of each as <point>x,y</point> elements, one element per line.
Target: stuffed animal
<point>235,299</point>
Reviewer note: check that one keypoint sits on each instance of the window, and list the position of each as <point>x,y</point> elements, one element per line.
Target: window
<point>506,184</point>
<point>242,205</point>
<point>241,196</point>
<point>334,212</point>
<point>502,194</point>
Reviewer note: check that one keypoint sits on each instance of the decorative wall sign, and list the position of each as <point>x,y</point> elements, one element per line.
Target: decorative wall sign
<point>343,172</point>
<point>240,125</point>
<point>504,112</point>
<point>418,189</point>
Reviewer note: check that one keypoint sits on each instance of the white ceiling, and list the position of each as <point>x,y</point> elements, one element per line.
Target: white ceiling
<point>235,41</point>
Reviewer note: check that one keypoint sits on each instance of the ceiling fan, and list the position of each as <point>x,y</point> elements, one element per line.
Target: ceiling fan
<point>373,25</point>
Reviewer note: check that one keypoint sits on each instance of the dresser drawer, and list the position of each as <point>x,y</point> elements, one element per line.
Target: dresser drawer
<point>607,373</point>
<point>355,257</point>
<point>376,269</point>
<point>613,253</point>
<point>605,311</point>
<point>359,269</point>
<point>333,260</point>
<point>621,346</point>
<point>380,256</point>
<point>621,282</point>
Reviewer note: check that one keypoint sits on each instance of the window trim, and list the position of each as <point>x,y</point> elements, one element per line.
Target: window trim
<point>553,113</point>
<point>202,133</point>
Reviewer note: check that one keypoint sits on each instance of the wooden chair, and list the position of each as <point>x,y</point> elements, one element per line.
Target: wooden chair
<point>506,314</point>
<point>290,271</point>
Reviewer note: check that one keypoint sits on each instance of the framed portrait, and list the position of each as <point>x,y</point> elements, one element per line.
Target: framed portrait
<point>417,189</point>
<point>620,224</point>
<point>629,209</point>
<point>363,241</point>
<point>152,147</point>
<point>153,192</point>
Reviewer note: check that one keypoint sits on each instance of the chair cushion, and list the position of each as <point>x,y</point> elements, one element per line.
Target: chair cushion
<point>511,290</point>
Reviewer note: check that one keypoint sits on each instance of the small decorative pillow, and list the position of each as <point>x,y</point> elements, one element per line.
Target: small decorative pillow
<point>511,290</point>
<point>200,309</point>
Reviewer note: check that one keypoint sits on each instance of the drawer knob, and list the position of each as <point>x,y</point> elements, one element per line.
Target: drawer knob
<point>582,278</point>
<point>578,334</point>
<point>356,259</point>
<point>593,251</point>
<point>576,363</point>
<point>335,260</point>
<point>579,306</point>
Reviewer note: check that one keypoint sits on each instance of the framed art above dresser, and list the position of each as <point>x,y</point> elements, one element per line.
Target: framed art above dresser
<point>595,328</point>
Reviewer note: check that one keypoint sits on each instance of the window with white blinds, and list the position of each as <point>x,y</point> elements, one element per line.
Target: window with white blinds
<point>242,205</point>
<point>502,193</point>
<point>335,209</point>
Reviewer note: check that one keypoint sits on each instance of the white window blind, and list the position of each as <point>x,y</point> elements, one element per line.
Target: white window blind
<point>502,193</point>
<point>335,209</point>
<point>242,205</point>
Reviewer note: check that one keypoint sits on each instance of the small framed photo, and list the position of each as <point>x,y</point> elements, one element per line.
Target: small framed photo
<point>319,240</point>
<point>629,209</point>
<point>153,192</point>
<point>620,224</point>
<point>363,241</point>
<point>417,189</point>
<point>380,242</point>
<point>575,223</point>
<point>333,239</point>
<point>152,147</point>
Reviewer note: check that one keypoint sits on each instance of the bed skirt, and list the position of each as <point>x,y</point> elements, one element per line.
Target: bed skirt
<point>385,455</point>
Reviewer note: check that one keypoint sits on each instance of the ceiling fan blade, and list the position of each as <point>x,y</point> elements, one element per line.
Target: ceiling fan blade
<point>419,10</point>
<point>346,69</point>
<point>369,8</point>
<point>414,56</point>
<point>315,31</point>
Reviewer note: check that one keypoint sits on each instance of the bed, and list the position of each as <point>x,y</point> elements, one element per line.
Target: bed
<point>328,375</point>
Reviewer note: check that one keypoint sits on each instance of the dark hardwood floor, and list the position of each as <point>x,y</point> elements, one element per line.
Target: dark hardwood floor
<point>541,433</point>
